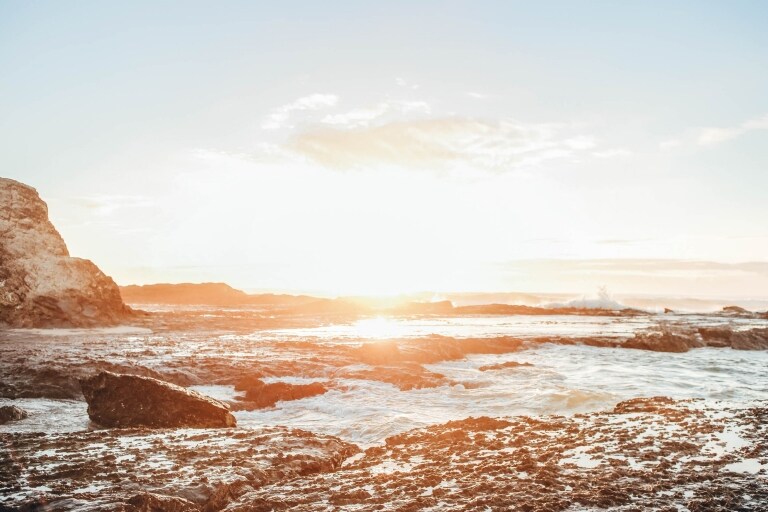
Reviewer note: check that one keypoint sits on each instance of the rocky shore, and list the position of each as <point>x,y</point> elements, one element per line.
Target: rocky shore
<point>644,454</point>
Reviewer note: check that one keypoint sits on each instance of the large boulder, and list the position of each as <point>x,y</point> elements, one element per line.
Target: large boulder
<point>41,285</point>
<point>116,400</point>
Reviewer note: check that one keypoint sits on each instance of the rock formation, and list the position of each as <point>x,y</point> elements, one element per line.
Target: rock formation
<point>40,284</point>
<point>260,395</point>
<point>131,401</point>
<point>11,413</point>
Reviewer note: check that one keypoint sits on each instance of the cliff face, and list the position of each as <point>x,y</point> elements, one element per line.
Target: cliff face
<point>40,284</point>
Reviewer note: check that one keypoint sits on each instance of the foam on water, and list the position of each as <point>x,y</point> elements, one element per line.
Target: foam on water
<point>563,379</point>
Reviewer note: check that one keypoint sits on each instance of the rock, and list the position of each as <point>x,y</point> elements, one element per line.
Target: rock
<point>11,413</point>
<point>131,401</point>
<point>662,342</point>
<point>503,366</point>
<point>753,339</point>
<point>735,310</point>
<point>261,395</point>
<point>141,470</point>
<point>716,336</point>
<point>150,502</point>
<point>668,311</point>
<point>40,284</point>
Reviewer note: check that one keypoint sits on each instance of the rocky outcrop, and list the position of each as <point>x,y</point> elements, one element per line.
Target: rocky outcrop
<point>41,285</point>
<point>11,413</point>
<point>130,401</point>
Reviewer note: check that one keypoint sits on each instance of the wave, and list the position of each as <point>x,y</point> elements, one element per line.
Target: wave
<point>603,300</point>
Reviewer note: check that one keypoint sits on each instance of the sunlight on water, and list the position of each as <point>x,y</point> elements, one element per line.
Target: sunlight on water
<point>558,379</point>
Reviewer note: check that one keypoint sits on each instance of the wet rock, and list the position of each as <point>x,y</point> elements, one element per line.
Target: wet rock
<point>11,413</point>
<point>41,285</point>
<point>150,502</point>
<point>736,310</point>
<point>130,401</point>
<point>749,339</point>
<point>716,336</point>
<point>259,395</point>
<point>647,454</point>
<point>753,339</point>
<point>664,341</point>
<point>132,470</point>
<point>503,366</point>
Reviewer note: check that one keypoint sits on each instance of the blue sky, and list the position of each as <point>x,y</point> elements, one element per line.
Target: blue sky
<point>353,147</point>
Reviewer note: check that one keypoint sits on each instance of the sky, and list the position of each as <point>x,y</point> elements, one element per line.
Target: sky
<point>389,147</point>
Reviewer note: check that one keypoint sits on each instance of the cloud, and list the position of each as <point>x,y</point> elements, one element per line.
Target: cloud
<point>366,116</point>
<point>437,143</point>
<point>280,116</point>
<point>711,136</point>
<point>402,82</point>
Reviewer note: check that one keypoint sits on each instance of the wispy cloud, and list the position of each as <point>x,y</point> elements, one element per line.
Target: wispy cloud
<point>710,136</point>
<point>361,117</point>
<point>435,143</point>
<point>280,116</point>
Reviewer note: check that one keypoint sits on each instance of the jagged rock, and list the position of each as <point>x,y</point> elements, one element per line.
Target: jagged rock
<point>142,470</point>
<point>261,395</point>
<point>40,284</point>
<point>753,339</point>
<point>132,401</point>
<point>662,342</point>
<point>150,502</point>
<point>11,413</point>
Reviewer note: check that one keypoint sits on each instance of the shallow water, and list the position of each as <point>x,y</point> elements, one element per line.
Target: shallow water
<point>491,326</point>
<point>563,379</point>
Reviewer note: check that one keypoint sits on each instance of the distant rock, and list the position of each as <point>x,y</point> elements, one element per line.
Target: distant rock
<point>736,310</point>
<point>40,284</point>
<point>209,294</point>
<point>260,394</point>
<point>11,413</point>
<point>219,294</point>
<point>116,400</point>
